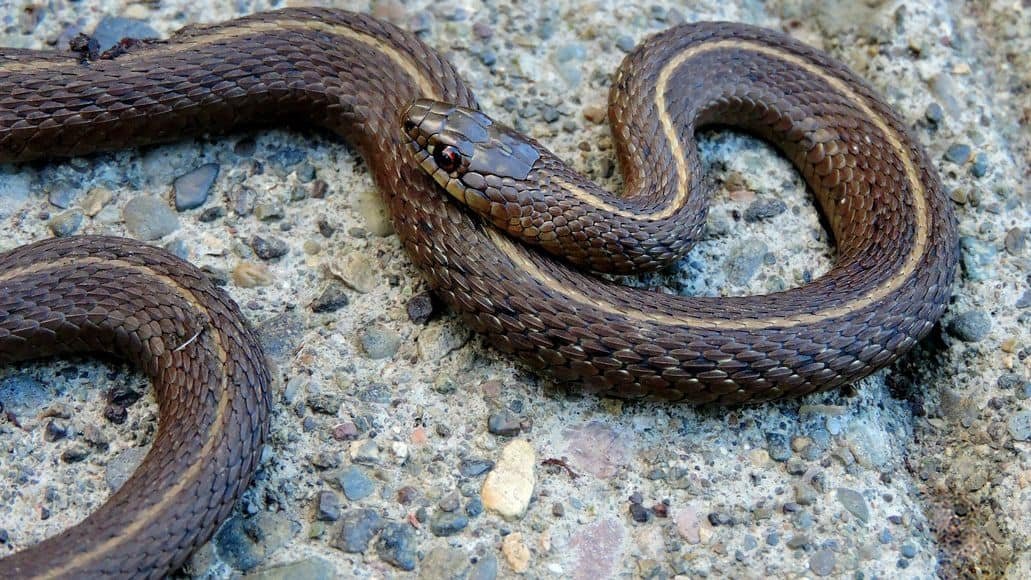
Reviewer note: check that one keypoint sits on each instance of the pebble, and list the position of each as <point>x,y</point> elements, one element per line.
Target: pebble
<point>148,218</point>
<point>332,298</point>
<point>420,308</point>
<point>396,546</point>
<point>934,113</point>
<point>486,568</point>
<point>245,543</point>
<point>268,212</point>
<point>66,223</point>
<point>778,445</point>
<point>1020,425</point>
<point>505,423</point>
<point>249,275</point>
<point>95,200</point>
<point>822,563</point>
<point>958,153</point>
<point>448,523</point>
<point>475,467</point>
<point>977,257</point>
<point>908,551</point>
<point>63,196</point>
<point>192,189</point>
<point>516,553</point>
<point>474,508</point>
<point>370,206</point>
<point>744,261</point>
<point>313,568</point>
<point>380,342</point>
<point>1015,241</point>
<point>971,326</point>
<point>854,502</point>
<point>508,488</point>
<point>268,248</point>
<point>444,562</point>
<point>764,209</point>
<point>357,271</point>
<point>625,43</point>
<point>356,485</point>
<point>211,214</point>
<point>357,528</point>
<point>980,166</point>
<point>112,29</point>
<point>328,507</point>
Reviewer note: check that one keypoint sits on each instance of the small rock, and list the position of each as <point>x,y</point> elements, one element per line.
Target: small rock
<point>313,568</point>
<point>980,165</point>
<point>508,488</point>
<point>1020,426</point>
<point>445,523</point>
<point>371,207</point>
<point>380,342</point>
<point>822,563</point>
<point>192,189</point>
<point>244,543</point>
<point>1016,241</point>
<point>444,562</point>
<point>269,248</point>
<point>148,218</point>
<point>328,507</point>
<point>112,29</point>
<point>248,275</point>
<point>934,113</point>
<point>475,467</point>
<point>908,551</point>
<point>95,200</point>
<point>211,214</point>
<point>358,272</point>
<point>358,526</point>
<point>333,298</point>
<point>484,569</point>
<point>515,552</point>
<point>958,153</point>
<point>598,548</point>
<point>505,423</point>
<point>420,308</point>
<point>66,223</point>
<point>971,326</point>
<point>778,446</point>
<point>474,508</point>
<point>268,212</point>
<point>356,484</point>
<point>764,209</point>
<point>625,43</point>
<point>854,502</point>
<point>396,546</point>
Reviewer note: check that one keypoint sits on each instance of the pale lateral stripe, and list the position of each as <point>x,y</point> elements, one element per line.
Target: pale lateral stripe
<point>892,284</point>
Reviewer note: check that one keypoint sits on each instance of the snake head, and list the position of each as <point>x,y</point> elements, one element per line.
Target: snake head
<point>465,151</point>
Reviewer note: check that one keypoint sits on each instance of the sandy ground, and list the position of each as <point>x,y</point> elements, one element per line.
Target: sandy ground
<point>387,428</point>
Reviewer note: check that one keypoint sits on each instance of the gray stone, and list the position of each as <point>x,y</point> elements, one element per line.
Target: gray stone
<point>333,298</point>
<point>355,483</point>
<point>66,223</point>
<point>192,189</point>
<point>245,543</point>
<point>358,526</point>
<point>269,248</point>
<point>475,467</point>
<point>328,507</point>
<point>148,218</point>
<point>396,546</point>
<point>822,563</point>
<point>112,29</point>
<point>313,568</point>
<point>971,326</point>
<point>1020,426</point>
<point>854,502</point>
<point>380,342</point>
<point>764,209</point>
<point>958,153</point>
<point>444,562</point>
<point>445,523</point>
<point>486,568</point>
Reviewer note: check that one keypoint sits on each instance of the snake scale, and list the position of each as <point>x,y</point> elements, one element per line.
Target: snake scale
<point>453,180</point>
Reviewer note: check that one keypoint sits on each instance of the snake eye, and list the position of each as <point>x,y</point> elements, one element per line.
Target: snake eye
<point>447,158</point>
<point>409,126</point>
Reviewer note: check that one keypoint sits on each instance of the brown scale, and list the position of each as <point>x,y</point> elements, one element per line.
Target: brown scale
<point>356,76</point>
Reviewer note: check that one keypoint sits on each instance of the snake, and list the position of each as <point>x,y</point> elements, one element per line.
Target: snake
<point>501,229</point>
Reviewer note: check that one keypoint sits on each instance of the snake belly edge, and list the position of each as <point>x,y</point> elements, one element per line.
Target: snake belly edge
<point>355,76</point>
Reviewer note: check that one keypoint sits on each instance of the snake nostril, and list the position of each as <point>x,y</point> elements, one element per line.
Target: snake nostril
<point>409,125</point>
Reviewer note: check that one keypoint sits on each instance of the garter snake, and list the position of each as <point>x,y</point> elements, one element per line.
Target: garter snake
<point>369,82</point>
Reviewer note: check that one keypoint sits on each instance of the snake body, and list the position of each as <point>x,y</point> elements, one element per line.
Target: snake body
<point>358,77</point>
